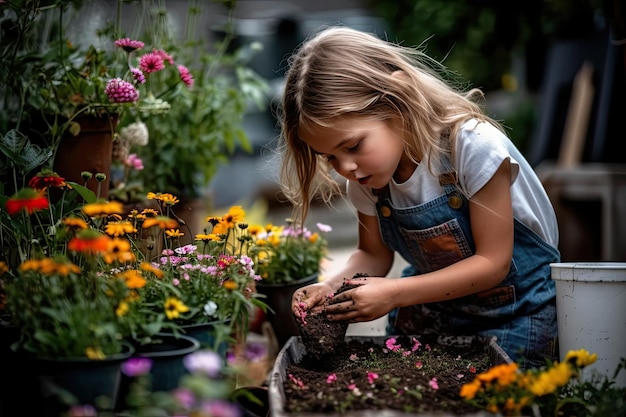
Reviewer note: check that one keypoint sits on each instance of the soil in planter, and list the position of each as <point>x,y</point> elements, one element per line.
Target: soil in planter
<point>403,375</point>
<point>320,336</point>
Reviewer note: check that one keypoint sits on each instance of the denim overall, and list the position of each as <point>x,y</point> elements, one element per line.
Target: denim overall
<point>520,311</point>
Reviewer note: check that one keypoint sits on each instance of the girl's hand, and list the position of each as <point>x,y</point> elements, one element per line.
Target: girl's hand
<point>371,299</point>
<point>306,298</point>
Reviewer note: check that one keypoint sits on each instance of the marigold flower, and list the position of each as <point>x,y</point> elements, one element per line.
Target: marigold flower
<point>120,91</point>
<point>121,309</point>
<point>28,200</point>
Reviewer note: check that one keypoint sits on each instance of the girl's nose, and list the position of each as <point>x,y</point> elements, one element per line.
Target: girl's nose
<point>345,166</point>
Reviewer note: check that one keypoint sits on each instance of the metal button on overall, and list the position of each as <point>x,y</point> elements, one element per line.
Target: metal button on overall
<point>455,201</point>
<point>385,211</point>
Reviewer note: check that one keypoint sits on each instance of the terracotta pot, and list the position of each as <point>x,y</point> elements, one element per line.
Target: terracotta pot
<point>89,150</point>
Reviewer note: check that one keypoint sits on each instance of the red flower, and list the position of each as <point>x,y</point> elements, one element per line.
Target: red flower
<point>27,199</point>
<point>45,179</point>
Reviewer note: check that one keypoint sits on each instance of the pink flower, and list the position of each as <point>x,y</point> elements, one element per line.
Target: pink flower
<point>392,345</point>
<point>419,365</point>
<point>120,91</point>
<point>136,366</point>
<point>204,362</point>
<point>185,75</point>
<point>129,45</point>
<point>416,345</point>
<point>371,376</point>
<point>138,76</point>
<point>331,378</point>
<point>151,62</point>
<point>134,162</point>
<point>433,384</point>
<point>164,55</point>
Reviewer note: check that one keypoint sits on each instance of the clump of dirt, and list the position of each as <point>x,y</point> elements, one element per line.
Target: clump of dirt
<point>320,336</point>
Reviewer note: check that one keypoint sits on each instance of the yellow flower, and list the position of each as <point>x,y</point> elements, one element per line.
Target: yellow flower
<point>94,353</point>
<point>235,215</point>
<point>75,223</point>
<point>166,198</point>
<point>121,309</point>
<point>133,279</point>
<point>163,222</point>
<point>580,357</point>
<point>173,308</point>
<point>174,233</point>
<point>119,228</point>
<point>103,209</point>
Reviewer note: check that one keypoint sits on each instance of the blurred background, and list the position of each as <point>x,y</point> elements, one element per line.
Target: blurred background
<point>554,72</point>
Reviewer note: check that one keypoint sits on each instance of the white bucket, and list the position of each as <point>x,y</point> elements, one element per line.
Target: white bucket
<point>591,312</point>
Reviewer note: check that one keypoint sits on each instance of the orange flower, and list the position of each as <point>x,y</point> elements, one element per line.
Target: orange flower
<point>162,222</point>
<point>28,200</point>
<point>103,209</point>
<point>89,241</point>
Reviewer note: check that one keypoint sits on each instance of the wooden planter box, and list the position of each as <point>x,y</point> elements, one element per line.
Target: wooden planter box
<point>294,350</point>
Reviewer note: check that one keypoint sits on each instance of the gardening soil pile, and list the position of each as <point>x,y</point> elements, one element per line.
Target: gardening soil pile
<point>409,374</point>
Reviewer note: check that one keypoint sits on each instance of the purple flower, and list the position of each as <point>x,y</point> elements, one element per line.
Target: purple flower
<point>120,91</point>
<point>136,366</point>
<point>129,45</point>
<point>82,411</point>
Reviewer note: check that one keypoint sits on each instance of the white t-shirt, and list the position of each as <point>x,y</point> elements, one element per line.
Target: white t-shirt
<point>480,150</point>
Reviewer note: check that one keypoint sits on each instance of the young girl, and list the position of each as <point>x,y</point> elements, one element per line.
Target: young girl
<point>432,178</point>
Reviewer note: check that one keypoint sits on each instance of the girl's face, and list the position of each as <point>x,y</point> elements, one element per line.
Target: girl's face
<point>370,152</point>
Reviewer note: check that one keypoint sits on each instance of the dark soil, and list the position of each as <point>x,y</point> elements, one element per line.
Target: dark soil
<point>320,336</point>
<point>427,379</point>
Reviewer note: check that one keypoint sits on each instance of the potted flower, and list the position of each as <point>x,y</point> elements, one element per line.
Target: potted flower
<point>287,257</point>
<point>198,286</point>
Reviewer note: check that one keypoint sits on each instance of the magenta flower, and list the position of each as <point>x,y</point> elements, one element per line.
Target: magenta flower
<point>371,376</point>
<point>151,62</point>
<point>120,91</point>
<point>220,408</point>
<point>433,384</point>
<point>138,76</point>
<point>392,345</point>
<point>129,45</point>
<point>136,366</point>
<point>185,75</point>
<point>134,162</point>
<point>164,55</point>
<point>331,378</point>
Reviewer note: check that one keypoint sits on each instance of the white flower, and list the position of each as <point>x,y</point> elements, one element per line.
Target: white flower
<point>210,308</point>
<point>136,134</point>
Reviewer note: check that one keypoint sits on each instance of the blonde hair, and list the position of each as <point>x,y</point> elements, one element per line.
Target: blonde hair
<point>342,72</point>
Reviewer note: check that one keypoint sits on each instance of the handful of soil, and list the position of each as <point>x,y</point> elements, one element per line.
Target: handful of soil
<point>319,335</point>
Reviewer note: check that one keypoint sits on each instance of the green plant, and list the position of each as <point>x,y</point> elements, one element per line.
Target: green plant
<point>210,280</point>
<point>287,253</point>
<point>203,126</point>
<point>559,388</point>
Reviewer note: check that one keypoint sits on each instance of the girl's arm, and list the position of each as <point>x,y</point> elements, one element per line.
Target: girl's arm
<point>371,256</point>
<point>491,216</point>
